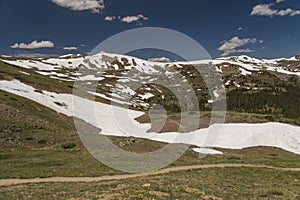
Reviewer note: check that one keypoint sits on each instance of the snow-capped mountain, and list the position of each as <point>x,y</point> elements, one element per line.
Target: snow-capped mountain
<point>289,66</point>
<point>119,76</point>
<point>120,73</point>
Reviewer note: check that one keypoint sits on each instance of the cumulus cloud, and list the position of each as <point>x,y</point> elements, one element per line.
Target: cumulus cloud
<point>278,1</point>
<point>263,10</point>
<point>79,5</point>
<point>232,45</point>
<point>128,19</point>
<point>33,45</point>
<point>267,10</point>
<point>70,48</point>
<point>110,18</point>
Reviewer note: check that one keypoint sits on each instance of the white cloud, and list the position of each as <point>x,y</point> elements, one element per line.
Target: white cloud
<point>263,10</point>
<point>232,45</point>
<point>129,19</point>
<point>162,59</point>
<point>79,5</point>
<point>109,18</point>
<point>33,45</point>
<point>279,1</point>
<point>267,10</point>
<point>285,12</point>
<point>296,12</point>
<point>70,48</point>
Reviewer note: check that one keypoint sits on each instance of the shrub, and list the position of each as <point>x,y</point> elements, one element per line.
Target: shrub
<point>269,118</point>
<point>29,138</point>
<point>42,142</point>
<point>141,196</point>
<point>68,145</point>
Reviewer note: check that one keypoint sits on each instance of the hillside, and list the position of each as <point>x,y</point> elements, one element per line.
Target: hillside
<point>38,137</point>
<point>263,88</point>
<point>252,85</point>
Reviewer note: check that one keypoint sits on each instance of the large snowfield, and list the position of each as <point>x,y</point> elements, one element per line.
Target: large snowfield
<point>118,121</point>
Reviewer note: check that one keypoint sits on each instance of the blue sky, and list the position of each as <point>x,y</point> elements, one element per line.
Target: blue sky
<point>259,28</point>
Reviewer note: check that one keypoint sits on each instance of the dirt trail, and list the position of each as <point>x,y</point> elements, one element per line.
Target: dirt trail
<point>5,182</point>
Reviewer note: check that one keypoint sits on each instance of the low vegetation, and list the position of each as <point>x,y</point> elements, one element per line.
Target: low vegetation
<point>214,183</point>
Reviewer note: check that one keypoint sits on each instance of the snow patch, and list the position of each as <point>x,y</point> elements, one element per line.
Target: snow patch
<point>207,151</point>
<point>118,121</point>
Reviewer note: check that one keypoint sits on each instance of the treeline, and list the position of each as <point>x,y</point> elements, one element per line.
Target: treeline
<point>284,103</point>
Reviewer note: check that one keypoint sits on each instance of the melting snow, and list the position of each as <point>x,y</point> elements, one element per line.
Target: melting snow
<point>207,151</point>
<point>24,73</point>
<point>146,96</point>
<point>244,72</point>
<point>120,122</point>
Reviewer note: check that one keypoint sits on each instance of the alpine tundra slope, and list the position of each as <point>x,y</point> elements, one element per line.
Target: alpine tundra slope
<point>116,74</point>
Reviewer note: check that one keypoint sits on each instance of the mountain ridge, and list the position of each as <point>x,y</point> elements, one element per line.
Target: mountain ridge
<point>118,75</point>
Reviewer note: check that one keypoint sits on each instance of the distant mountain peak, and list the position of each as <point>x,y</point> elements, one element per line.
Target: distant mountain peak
<point>297,56</point>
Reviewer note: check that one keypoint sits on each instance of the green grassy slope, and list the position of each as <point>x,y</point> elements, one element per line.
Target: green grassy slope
<point>218,183</point>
